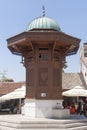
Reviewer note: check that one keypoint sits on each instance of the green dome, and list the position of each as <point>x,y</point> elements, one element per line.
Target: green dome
<point>43,23</point>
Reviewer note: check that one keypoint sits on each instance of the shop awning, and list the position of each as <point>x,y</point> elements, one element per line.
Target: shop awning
<point>75,92</point>
<point>16,94</point>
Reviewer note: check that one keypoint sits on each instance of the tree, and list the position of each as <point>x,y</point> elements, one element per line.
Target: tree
<point>64,66</point>
<point>3,77</point>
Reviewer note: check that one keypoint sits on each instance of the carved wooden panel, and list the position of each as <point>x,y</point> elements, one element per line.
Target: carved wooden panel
<point>31,77</point>
<point>56,77</point>
<point>43,76</point>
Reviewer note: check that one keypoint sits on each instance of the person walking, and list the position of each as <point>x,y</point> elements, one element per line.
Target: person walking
<point>80,107</point>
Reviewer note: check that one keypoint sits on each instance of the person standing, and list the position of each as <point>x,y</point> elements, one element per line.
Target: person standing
<point>80,107</point>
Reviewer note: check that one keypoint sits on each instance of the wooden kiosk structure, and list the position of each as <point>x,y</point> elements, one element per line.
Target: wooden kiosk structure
<point>43,47</point>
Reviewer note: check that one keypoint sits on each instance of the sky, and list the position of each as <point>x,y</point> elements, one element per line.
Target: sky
<point>15,15</point>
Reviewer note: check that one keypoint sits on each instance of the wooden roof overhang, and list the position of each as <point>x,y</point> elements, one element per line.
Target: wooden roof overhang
<point>26,41</point>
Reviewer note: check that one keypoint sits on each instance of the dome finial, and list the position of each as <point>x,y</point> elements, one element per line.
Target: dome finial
<point>43,10</point>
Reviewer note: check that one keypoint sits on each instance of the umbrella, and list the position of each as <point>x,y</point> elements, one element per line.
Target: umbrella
<point>75,92</point>
<point>16,94</point>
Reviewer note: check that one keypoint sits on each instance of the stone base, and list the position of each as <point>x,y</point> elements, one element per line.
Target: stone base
<point>43,108</point>
<point>60,113</point>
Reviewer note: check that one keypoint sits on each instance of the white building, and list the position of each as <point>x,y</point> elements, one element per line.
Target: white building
<point>83,61</point>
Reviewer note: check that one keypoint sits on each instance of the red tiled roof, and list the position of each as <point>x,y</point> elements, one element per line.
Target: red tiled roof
<point>7,87</point>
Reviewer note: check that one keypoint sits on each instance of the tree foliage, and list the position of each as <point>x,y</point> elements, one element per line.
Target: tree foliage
<point>4,78</point>
<point>64,66</point>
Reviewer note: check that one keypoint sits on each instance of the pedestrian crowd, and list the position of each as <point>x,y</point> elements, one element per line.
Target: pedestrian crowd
<point>79,107</point>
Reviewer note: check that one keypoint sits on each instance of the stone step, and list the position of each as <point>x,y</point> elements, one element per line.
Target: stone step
<point>72,125</point>
<point>52,125</point>
<point>21,123</point>
<point>78,128</point>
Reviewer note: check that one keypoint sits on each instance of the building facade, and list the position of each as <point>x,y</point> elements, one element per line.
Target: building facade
<point>83,61</point>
